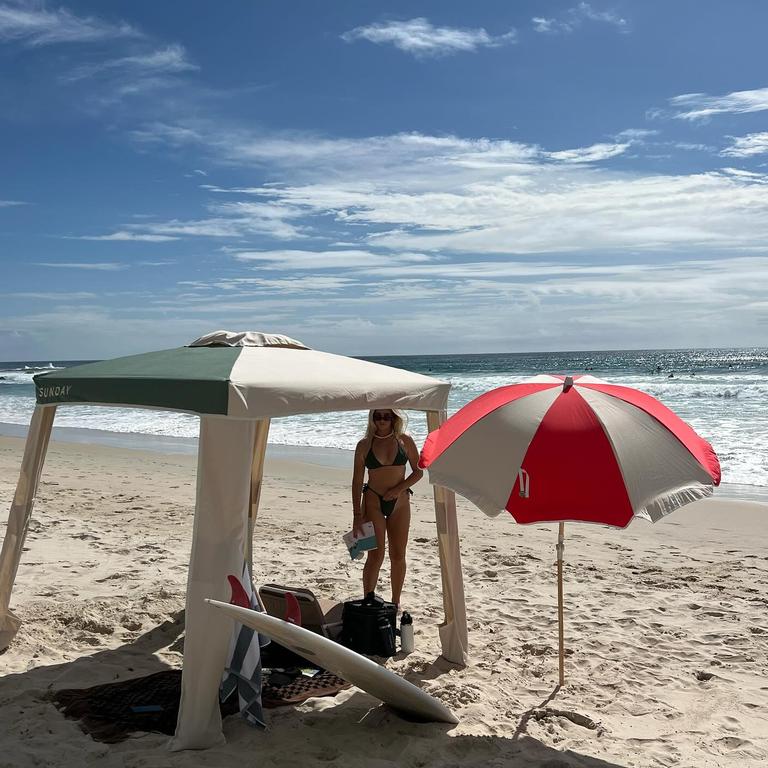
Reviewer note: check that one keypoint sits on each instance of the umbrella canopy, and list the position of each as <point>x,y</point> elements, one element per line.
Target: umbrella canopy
<point>559,448</point>
<point>244,375</point>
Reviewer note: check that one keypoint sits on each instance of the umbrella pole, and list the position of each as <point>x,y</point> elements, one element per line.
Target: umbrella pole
<point>560,547</point>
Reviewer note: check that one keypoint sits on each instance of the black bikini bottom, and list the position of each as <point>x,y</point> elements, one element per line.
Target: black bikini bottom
<point>387,506</point>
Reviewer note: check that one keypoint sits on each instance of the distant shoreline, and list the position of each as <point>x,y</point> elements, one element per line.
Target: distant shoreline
<point>336,458</point>
<point>166,444</point>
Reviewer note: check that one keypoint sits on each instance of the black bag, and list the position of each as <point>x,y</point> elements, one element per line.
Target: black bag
<point>368,626</point>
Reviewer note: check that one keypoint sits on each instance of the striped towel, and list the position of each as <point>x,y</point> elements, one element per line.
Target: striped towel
<point>242,673</point>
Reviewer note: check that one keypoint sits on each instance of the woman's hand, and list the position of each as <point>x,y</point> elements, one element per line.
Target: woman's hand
<point>393,493</point>
<point>357,526</point>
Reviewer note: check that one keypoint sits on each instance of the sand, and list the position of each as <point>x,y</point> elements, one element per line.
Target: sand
<point>666,625</point>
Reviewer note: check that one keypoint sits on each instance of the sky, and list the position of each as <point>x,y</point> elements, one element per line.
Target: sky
<point>379,178</point>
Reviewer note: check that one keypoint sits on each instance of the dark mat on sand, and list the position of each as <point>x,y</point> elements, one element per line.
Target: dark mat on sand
<point>112,712</point>
<point>109,712</point>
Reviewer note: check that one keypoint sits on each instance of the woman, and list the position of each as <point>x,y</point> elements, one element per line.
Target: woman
<point>385,499</point>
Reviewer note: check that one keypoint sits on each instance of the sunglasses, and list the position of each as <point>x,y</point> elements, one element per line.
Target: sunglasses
<point>382,417</point>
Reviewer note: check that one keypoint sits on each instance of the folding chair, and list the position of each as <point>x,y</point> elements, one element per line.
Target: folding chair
<point>320,616</point>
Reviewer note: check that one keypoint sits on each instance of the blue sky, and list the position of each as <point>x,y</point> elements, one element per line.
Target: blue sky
<point>383,178</point>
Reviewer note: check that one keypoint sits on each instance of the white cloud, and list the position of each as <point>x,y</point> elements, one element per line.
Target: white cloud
<point>747,146</point>
<point>635,134</point>
<point>164,61</point>
<point>123,235</point>
<point>52,295</point>
<point>486,305</point>
<point>162,133</point>
<point>693,147</point>
<point>303,152</point>
<point>592,154</point>
<point>11,203</point>
<point>700,106</point>
<point>542,24</point>
<point>582,212</point>
<point>97,266</point>
<point>34,25</point>
<point>417,193</point>
<point>422,39</point>
<point>284,285</point>
<point>289,260</point>
<point>575,17</point>
<point>154,263</point>
<point>241,219</point>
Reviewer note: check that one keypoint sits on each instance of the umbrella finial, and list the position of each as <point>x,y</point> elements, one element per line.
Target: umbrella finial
<point>568,383</point>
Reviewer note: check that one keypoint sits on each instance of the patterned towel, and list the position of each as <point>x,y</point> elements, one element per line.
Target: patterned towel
<point>279,691</point>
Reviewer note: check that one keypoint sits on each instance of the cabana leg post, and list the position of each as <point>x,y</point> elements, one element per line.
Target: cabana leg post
<point>225,457</point>
<point>23,502</point>
<point>257,475</point>
<point>453,631</point>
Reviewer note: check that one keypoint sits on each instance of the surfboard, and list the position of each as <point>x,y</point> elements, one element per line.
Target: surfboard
<point>356,669</point>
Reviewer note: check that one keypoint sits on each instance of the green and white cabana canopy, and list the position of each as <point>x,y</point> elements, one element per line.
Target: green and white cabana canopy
<point>236,383</point>
<point>243,375</point>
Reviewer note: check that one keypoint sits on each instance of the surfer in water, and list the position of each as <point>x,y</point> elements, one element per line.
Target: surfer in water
<point>384,500</point>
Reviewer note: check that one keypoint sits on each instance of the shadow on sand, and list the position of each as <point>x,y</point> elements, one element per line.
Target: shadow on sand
<point>330,734</point>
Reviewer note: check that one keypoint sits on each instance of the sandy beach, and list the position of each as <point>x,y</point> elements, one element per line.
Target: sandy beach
<point>666,625</point>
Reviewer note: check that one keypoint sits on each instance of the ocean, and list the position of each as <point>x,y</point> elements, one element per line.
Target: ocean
<point>721,393</point>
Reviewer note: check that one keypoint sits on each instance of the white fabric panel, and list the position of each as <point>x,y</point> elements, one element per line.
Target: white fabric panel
<point>224,460</point>
<point>21,511</point>
<point>659,472</point>
<point>266,382</point>
<point>491,474</point>
<point>246,339</point>
<point>589,379</point>
<point>454,638</point>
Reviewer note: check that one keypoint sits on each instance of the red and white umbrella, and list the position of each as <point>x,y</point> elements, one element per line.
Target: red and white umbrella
<point>562,448</point>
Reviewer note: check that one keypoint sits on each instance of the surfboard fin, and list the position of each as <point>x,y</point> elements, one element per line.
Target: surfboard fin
<point>239,595</point>
<point>292,609</point>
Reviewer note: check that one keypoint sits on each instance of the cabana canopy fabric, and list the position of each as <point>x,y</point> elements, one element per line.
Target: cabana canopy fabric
<point>243,375</point>
<point>236,382</point>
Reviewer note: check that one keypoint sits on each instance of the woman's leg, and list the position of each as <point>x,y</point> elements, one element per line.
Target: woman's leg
<point>398,525</point>
<point>375,557</point>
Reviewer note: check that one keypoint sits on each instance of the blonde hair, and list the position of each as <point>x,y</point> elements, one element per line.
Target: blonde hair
<point>399,423</point>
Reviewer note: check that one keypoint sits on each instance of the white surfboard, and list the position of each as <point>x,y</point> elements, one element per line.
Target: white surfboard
<point>358,670</point>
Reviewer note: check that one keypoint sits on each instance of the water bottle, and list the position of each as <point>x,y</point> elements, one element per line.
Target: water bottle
<point>406,633</point>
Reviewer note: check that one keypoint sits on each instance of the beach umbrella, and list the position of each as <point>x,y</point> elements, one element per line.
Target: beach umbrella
<point>570,448</point>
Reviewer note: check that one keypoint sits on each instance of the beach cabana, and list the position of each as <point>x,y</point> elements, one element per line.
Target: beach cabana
<point>236,383</point>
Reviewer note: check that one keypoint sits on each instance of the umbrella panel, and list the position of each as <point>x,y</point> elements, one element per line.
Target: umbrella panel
<point>572,470</point>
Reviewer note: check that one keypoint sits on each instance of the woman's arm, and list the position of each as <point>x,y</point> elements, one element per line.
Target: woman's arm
<point>416,474</point>
<point>358,473</point>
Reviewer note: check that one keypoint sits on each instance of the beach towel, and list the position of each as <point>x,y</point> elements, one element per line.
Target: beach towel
<point>242,674</point>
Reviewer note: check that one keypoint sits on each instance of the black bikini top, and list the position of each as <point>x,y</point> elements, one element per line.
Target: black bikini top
<point>401,458</point>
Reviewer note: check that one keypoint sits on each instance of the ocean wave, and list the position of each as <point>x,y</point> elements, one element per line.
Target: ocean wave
<point>16,377</point>
<point>727,393</point>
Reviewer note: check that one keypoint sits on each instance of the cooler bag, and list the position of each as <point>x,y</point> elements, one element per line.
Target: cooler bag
<point>368,626</point>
